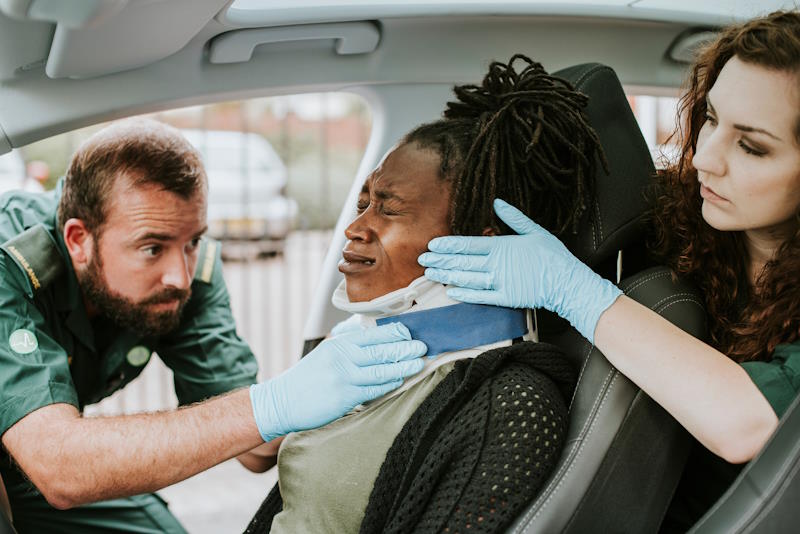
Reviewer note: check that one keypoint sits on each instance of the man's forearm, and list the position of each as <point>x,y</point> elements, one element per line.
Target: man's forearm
<point>107,457</point>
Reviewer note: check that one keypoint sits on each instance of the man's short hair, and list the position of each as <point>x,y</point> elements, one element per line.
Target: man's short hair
<point>143,151</point>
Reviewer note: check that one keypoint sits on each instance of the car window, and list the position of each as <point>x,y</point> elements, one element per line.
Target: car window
<point>12,171</point>
<point>656,115</point>
<point>279,171</point>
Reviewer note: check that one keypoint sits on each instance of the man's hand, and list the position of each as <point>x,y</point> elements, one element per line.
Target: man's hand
<point>341,373</point>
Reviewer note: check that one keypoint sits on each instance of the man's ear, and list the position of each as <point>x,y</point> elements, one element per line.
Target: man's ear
<point>79,241</point>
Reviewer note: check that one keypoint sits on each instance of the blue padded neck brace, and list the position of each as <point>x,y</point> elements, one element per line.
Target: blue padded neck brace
<point>462,326</point>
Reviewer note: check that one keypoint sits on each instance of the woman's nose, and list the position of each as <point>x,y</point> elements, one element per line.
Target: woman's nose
<point>709,155</point>
<point>359,229</point>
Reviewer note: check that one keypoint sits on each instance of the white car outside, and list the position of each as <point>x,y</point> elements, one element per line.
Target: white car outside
<point>12,171</point>
<point>246,183</point>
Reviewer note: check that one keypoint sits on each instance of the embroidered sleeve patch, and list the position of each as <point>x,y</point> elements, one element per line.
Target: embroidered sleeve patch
<point>23,341</point>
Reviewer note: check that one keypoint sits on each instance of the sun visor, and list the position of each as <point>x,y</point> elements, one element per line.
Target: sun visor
<point>96,37</point>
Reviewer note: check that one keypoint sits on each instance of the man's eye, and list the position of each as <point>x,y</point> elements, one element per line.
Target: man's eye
<point>152,251</point>
<point>362,205</point>
<point>194,243</point>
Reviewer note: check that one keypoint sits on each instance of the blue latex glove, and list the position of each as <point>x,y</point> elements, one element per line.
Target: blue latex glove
<point>530,270</point>
<point>338,375</point>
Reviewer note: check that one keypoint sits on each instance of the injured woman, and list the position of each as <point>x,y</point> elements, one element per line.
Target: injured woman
<point>469,441</point>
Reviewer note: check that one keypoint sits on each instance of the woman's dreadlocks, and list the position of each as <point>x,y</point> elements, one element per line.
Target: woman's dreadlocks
<point>520,136</point>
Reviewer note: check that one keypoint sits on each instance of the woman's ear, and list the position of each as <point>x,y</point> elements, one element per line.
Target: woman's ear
<point>489,231</point>
<point>79,242</point>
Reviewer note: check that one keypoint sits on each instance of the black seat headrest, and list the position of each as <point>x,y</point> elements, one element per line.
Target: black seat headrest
<point>614,220</point>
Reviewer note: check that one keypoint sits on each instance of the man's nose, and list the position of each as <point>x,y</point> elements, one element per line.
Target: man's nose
<point>176,271</point>
<point>709,155</point>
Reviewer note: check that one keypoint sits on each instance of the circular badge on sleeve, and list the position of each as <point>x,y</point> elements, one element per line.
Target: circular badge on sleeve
<point>23,341</point>
<point>138,356</point>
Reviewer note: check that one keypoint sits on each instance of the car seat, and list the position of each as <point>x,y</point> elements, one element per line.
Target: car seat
<point>764,496</point>
<point>5,512</point>
<point>624,453</point>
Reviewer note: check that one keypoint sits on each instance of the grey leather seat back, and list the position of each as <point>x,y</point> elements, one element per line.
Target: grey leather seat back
<point>624,453</point>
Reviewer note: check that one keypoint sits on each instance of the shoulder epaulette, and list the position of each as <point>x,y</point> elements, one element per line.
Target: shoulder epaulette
<point>36,254</point>
<point>206,260</point>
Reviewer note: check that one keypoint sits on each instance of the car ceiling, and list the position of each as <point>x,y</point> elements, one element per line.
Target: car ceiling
<point>70,63</point>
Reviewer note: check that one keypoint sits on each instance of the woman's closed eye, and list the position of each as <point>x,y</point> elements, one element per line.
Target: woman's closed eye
<point>381,207</point>
<point>387,210</point>
<point>750,149</point>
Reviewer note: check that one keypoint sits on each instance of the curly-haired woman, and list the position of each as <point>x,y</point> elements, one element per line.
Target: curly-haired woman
<point>728,218</point>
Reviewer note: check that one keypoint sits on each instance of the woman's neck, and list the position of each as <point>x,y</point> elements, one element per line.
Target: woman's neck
<point>762,244</point>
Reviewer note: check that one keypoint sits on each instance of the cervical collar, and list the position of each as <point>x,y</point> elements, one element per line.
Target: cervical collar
<point>392,303</point>
<point>445,325</point>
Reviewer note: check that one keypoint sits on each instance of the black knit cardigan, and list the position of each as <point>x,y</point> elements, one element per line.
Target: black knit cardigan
<point>475,452</point>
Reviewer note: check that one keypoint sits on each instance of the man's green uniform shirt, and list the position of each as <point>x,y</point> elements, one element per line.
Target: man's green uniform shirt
<point>51,352</point>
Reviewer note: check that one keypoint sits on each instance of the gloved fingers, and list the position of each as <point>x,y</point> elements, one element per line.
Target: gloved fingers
<point>374,375</point>
<point>467,279</point>
<point>369,393</point>
<point>514,218</point>
<point>453,244</point>
<point>476,296</point>
<point>390,353</point>
<point>460,262</point>
<point>387,333</point>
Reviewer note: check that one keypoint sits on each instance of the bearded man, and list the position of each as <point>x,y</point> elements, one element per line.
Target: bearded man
<point>95,277</point>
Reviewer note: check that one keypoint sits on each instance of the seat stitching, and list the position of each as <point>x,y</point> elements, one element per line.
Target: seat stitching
<point>638,283</point>
<point>550,490</point>
<point>591,70</point>
<point>581,448</point>
<point>692,300</point>
<point>582,437</point>
<point>580,374</point>
<point>666,299</point>
<point>613,374</point>
<point>648,278</point>
<point>599,221</point>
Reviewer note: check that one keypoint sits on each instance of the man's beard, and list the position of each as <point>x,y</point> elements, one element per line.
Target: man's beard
<point>126,313</point>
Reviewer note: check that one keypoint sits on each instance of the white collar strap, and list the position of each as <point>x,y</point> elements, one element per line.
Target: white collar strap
<point>420,291</point>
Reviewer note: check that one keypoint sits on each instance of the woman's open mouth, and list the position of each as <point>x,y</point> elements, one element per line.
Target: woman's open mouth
<point>355,263</point>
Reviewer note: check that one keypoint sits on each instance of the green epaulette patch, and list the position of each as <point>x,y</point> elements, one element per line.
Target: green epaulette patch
<point>35,252</point>
<point>206,260</point>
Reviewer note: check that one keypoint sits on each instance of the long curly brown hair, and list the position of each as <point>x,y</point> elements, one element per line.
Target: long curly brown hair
<point>747,322</point>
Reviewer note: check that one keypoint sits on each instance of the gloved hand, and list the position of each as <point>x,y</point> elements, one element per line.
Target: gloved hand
<point>338,375</point>
<point>530,270</point>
